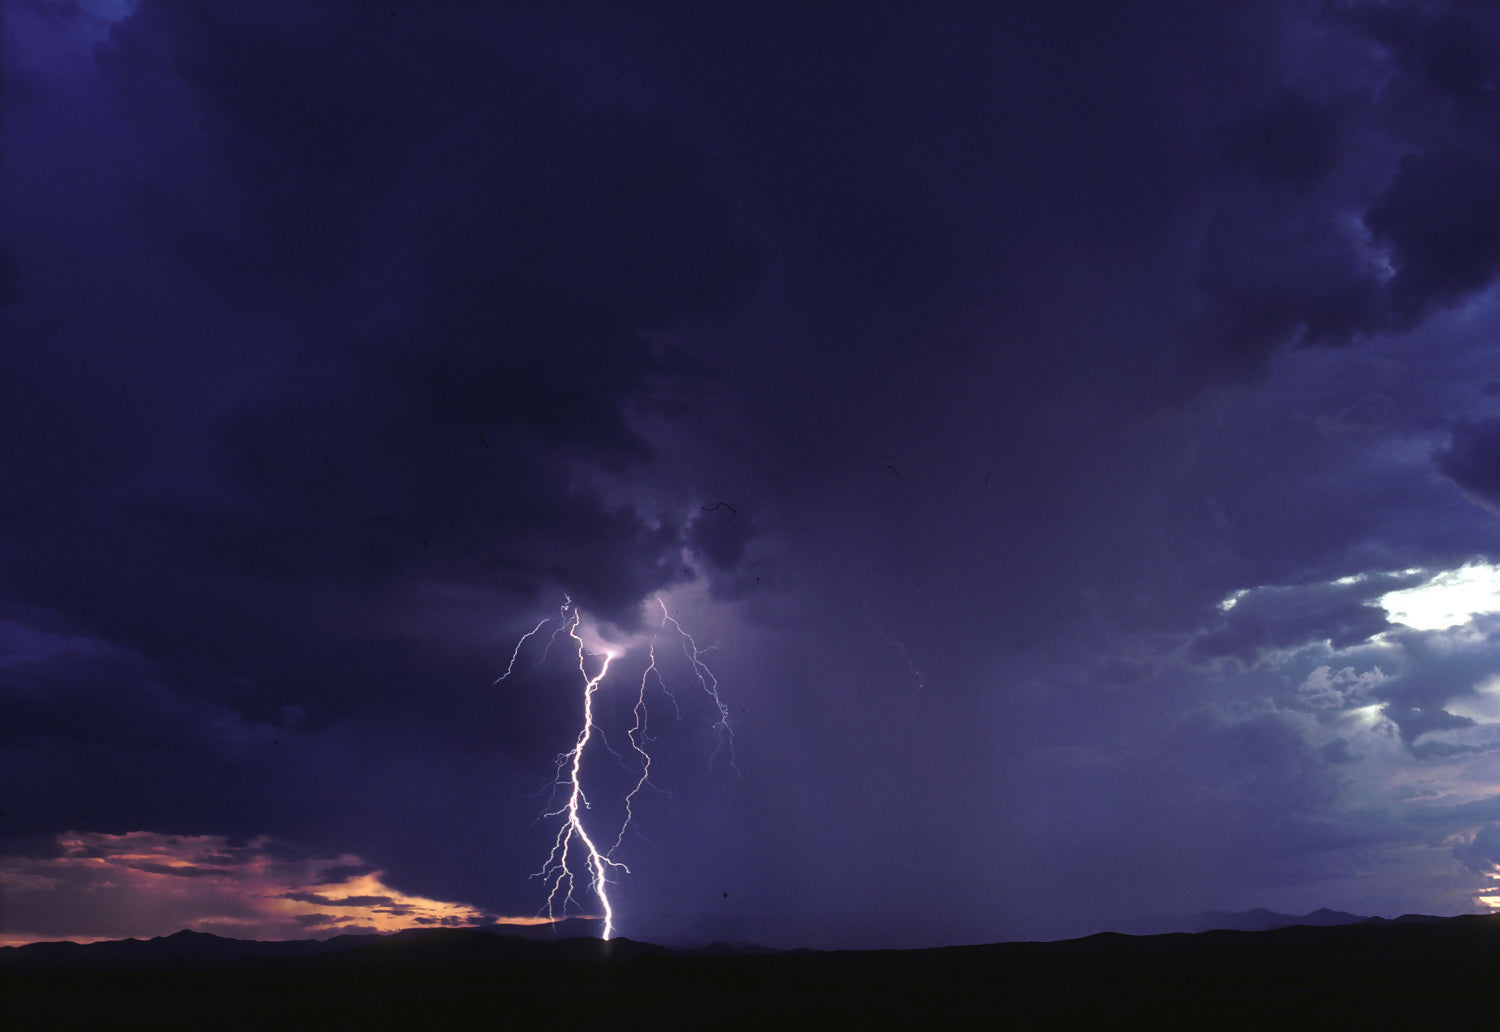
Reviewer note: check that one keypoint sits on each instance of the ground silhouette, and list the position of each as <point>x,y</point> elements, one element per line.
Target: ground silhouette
<point>1378,974</point>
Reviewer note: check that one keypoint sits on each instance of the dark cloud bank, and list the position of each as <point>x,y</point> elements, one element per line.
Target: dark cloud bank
<point>947,368</point>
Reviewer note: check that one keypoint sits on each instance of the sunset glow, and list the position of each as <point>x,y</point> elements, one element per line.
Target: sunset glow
<point>141,884</point>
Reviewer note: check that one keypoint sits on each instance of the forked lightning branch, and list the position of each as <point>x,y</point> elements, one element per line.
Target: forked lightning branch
<point>576,863</point>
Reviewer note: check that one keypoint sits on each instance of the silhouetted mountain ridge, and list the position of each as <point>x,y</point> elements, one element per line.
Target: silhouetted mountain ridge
<point>180,948</point>
<point>412,946</point>
<point>1411,972</point>
<point>1257,919</point>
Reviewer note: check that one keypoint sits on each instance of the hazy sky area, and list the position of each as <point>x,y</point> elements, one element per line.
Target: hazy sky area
<point>1074,428</point>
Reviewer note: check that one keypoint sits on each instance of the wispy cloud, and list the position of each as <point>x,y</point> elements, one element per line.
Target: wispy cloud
<point>89,886</point>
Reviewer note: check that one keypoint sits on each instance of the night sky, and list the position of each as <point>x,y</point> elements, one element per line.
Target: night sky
<point>1070,433</point>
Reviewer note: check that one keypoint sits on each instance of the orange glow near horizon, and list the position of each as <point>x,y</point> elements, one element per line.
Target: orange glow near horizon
<point>1489,896</point>
<point>143,884</point>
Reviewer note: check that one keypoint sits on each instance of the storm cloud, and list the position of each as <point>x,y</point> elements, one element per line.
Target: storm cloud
<point>1025,409</point>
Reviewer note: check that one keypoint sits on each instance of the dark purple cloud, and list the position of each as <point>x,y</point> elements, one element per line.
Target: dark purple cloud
<point>175,871</point>
<point>10,277</point>
<point>1472,460</point>
<point>345,901</point>
<point>1295,140</point>
<point>1452,47</point>
<point>486,262</point>
<point>944,374</point>
<point>1441,221</point>
<point>1288,617</point>
<point>342,873</point>
<point>1482,855</point>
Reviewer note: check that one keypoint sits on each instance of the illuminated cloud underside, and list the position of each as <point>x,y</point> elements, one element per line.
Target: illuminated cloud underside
<point>144,884</point>
<point>1349,711</point>
<point>1449,599</point>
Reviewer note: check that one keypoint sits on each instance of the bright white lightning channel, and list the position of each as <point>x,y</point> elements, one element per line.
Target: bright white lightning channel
<point>573,847</point>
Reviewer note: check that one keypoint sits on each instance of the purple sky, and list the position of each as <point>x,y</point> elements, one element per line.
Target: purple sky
<point>1078,380</point>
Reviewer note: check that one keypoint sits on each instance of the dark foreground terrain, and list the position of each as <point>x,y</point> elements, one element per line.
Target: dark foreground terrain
<point>1401,974</point>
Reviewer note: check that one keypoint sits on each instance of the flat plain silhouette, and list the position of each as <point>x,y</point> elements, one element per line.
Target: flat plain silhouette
<point>1372,974</point>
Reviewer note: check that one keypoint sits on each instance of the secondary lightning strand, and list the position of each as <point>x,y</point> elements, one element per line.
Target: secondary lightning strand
<point>896,644</point>
<point>917,717</point>
<point>512,664</point>
<point>637,735</point>
<point>557,869</point>
<point>710,685</point>
<point>562,622</point>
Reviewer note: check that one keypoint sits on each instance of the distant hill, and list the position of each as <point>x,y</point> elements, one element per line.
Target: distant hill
<point>184,947</point>
<point>1256,920</point>
<point>1407,973</point>
<point>201,950</point>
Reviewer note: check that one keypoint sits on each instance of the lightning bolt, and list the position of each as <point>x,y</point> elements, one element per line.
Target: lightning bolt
<point>574,857</point>
<point>557,869</point>
<point>896,644</point>
<point>918,714</point>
